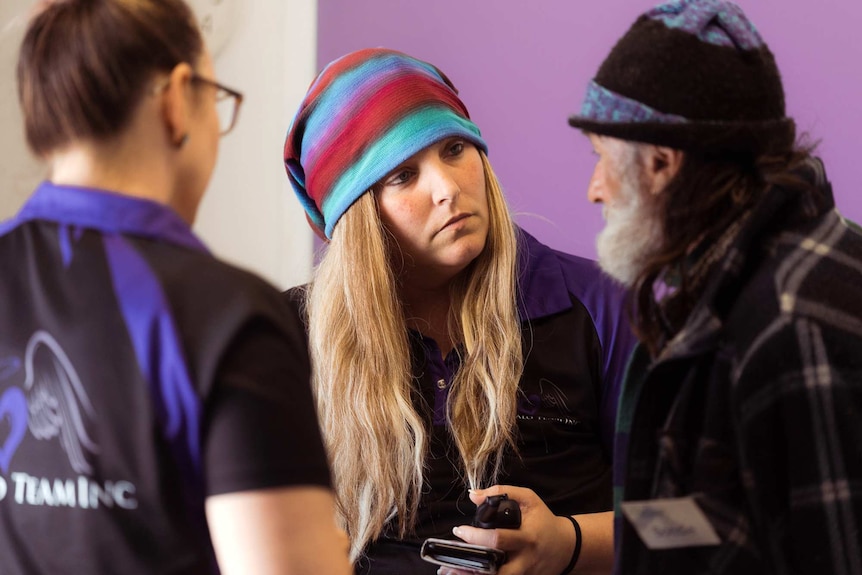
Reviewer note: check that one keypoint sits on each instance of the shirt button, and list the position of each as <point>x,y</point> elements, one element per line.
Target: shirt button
<point>441,384</point>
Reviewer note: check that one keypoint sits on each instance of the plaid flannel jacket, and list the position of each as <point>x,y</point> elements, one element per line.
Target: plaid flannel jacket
<point>755,407</point>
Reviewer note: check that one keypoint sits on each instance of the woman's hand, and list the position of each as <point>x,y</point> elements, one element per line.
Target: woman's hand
<point>542,546</point>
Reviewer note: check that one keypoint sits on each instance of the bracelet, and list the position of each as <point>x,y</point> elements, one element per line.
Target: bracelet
<point>576,553</point>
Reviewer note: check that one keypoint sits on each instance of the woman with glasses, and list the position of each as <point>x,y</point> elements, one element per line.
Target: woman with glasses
<point>450,349</point>
<point>155,403</point>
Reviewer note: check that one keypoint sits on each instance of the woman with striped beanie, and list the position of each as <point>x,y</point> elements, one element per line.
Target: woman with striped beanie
<point>450,350</point>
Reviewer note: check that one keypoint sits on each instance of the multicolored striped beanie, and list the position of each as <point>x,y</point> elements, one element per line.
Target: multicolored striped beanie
<point>366,113</point>
<point>691,75</point>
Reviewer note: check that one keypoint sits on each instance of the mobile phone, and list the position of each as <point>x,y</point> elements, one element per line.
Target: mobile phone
<point>452,553</point>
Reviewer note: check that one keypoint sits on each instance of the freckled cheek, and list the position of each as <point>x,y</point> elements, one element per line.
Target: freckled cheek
<point>474,185</point>
<point>411,213</point>
<point>403,217</point>
<point>479,177</point>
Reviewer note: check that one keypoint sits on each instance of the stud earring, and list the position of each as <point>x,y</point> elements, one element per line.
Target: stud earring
<point>183,140</point>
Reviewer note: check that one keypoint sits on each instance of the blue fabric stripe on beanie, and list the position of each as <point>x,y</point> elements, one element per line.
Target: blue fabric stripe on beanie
<point>714,21</point>
<point>603,105</point>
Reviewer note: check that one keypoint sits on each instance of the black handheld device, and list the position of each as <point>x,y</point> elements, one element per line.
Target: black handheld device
<point>496,512</point>
<point>453,553</point>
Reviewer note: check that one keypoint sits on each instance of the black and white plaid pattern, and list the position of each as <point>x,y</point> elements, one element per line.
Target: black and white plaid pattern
<point>755,407</point>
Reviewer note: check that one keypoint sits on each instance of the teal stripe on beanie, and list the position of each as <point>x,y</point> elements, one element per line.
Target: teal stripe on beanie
<point>409,136</point>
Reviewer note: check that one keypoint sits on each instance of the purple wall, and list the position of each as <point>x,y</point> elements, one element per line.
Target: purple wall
<point>521,68</point>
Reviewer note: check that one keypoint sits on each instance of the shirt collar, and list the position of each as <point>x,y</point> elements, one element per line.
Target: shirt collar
<point>542,286</point>
<point>106,211</point>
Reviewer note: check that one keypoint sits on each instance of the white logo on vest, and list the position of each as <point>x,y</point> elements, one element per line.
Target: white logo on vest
<point>52,403</point>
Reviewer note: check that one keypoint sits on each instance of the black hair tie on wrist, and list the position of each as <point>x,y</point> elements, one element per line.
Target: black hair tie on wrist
<point>576,553</point>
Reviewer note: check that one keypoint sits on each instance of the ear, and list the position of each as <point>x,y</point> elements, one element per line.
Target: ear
<point>662,165</point>
<point>176,103</point>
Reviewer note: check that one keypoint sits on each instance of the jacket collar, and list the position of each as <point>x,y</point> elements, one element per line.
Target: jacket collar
<point>779,207</point>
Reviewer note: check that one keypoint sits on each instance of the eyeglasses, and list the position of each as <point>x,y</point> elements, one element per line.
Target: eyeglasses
<point>227,103</point>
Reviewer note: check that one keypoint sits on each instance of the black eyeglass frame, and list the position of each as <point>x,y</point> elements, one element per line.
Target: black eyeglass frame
<point>229,92</point>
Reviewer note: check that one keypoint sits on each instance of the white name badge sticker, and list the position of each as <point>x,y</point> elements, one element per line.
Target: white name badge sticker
<point>670,523</point>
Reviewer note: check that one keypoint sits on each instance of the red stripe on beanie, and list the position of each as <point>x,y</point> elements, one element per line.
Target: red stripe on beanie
<point>369,121</point>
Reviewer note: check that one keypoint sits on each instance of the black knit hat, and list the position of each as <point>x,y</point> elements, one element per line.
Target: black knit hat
<point>691,75</point>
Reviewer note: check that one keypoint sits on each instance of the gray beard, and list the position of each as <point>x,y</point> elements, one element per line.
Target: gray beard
<point>632,234</point>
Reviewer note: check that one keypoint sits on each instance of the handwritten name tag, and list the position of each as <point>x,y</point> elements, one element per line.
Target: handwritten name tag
<point>670,523</point>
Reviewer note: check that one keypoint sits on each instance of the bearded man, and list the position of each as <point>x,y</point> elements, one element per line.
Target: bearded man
<point>739,439</point>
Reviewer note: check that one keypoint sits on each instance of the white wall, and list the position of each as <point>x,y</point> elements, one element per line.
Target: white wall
<point>249,215</point>
<point>19,172</point>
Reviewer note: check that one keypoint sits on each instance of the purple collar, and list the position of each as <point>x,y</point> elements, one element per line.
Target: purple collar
<point>105,211</point>
<point>542,287</point>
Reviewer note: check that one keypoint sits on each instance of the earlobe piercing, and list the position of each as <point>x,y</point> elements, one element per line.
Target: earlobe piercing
<point>183,140</point>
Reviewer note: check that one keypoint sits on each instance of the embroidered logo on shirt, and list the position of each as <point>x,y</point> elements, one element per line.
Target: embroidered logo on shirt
<point>548,404</point>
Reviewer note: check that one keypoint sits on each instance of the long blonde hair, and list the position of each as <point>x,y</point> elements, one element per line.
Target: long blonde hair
<point>362,375</point>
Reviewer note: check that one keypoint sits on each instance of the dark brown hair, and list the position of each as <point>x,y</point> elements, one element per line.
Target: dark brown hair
<point>85,64</point>
<point>707,195</point>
